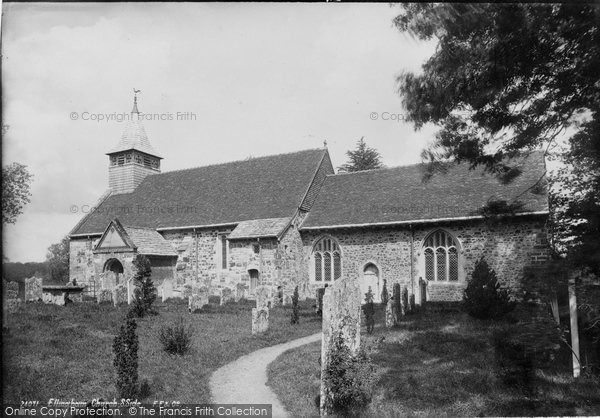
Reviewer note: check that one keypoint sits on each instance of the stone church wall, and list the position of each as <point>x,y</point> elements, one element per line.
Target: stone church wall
<point>291,260</point>
<point>507,246</point>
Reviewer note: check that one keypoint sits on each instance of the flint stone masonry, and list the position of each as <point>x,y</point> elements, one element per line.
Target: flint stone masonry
<point>263,297</point>
<point>33,289</point>
<point>260,320</point>
<point>508,247</point>
<point>227,296</point>
<point>341,316</point>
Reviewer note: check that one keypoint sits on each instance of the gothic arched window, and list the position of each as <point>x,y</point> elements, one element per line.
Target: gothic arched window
<point>327,260</point>
<point>441,257</point>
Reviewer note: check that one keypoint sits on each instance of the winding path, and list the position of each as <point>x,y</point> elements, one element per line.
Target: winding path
<point>245,379</point>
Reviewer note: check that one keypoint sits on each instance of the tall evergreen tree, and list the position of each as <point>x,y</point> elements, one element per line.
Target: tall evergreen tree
<point>362,158</point>
<point>145,292</point>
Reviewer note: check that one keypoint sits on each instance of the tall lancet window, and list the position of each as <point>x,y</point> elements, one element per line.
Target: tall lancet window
<point>326,260</point>
<point>441,257</point>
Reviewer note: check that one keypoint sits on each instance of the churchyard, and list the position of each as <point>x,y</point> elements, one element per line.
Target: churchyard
<point>439,363</point>
<point>66,352</point>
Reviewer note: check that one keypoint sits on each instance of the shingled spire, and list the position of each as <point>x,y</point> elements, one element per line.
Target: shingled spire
<point>133,158</point>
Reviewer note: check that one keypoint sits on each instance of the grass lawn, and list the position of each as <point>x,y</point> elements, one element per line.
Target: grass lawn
<point>438,364</point>
<point>66,352</point>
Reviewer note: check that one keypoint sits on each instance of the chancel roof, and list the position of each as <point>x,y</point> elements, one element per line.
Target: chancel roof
<point>403,195</point>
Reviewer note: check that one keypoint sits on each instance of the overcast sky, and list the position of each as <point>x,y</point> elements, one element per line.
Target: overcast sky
<point>254,79</point>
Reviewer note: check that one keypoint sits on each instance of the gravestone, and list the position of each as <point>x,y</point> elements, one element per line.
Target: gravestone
<point>405,307</point>
<point>319,299</point>
<point>55,297</point>
<point>287,300</point>
<point>198,299</point>
<point>389,313</point>
<point>263,297</point>
<point>104,296</point>
<point>187,291</point>
<point>341,318</point>
<point>412,302</point>
<point>260,320</point>
<point>166,290</point>
<point>12,290</point>
<point>226,295</point>
<point>119,295</point>
<point>33,288</point>
<point>241,292</point>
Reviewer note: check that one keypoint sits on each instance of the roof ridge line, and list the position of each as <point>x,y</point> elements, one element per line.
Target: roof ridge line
<point>240,161</point>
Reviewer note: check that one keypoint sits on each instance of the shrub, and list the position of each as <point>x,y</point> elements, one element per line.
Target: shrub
<point>384,294</point>
<point>521,348</point>
<point>176,339</point>
<point>405,300</point>
<point>397,292</point>
<point>369,311</point>
<point>295,313</point>
<point>483,297</point>
<point>145,390</point>
<point>145,292</point>
<point>125,347</point>
<point>349,379</point>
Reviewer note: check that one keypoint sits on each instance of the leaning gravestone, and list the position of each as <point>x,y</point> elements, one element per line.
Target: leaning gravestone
<point>198,299</point>
<point>263,297</point>
<point>33,288</point>
<point>389,313</point>
<point>226,295</point>
<point>341,318</point>
<point>260,320</point>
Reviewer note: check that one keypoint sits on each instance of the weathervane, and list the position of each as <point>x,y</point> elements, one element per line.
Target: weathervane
<point>324,143</point>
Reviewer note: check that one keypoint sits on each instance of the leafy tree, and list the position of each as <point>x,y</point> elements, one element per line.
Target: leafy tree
<point>362,158</point>
<point>15,191</point>
<point>57,260</point>
<point>483,297</point>
<point>295,315</point>
<point>510,78</point>
<point>145,292</point>
<point>125,347</point>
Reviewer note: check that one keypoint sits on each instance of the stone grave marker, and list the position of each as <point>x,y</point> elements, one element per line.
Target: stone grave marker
<point>263,297</point>
<point>104,296</point>
<point>341,317</point>
<point>166,290</point>
<point>119,295</point>
<point>260,320</point>
<point>198,299</point>
<point>12,290</point>
<point>226,295</point>
<point>33,288</point>
<point>241,292</point>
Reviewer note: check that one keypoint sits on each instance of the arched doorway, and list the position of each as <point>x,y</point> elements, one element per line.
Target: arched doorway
<point>370,278</point>
<point>253,279</point>
<point>113,273</point>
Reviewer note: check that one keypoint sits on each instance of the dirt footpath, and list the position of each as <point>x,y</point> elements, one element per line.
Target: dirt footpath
<point>245,379</point>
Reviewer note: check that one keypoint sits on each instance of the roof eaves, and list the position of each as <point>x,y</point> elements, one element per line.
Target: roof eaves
<point>419,221</point>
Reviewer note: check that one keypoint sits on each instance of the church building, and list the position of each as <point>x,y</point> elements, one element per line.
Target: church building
<point>288,220</point>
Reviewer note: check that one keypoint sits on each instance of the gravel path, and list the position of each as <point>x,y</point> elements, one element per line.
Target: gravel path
<point>245,379</point>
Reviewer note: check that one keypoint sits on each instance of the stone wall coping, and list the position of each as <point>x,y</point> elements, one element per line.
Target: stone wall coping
<point>62,287</point>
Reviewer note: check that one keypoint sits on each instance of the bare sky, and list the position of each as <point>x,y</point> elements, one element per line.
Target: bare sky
<point>253,79</point>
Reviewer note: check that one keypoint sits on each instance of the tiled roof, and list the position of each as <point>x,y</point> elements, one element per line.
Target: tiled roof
<point>148,241</point>
<point>259,228</point>
<point>258,188</point>
<point>134,137</point>
<point>400,194</point>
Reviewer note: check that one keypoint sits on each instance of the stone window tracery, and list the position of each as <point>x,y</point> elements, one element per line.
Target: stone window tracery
<point>327,260</point>
<point>441,257</point>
